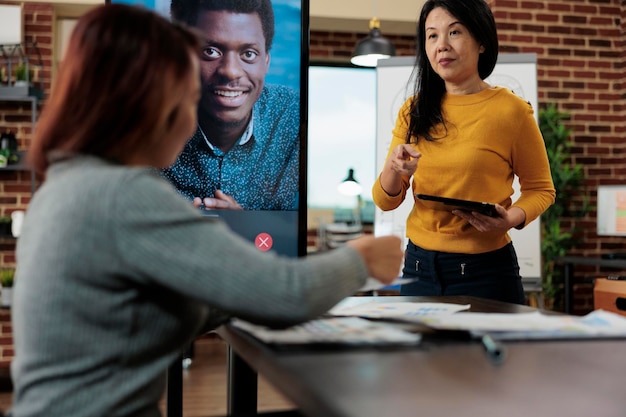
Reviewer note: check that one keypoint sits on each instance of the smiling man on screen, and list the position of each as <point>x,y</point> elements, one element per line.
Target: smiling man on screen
<point>245,152</point>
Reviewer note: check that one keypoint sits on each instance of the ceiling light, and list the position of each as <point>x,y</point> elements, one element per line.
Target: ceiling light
<point>369,50</point>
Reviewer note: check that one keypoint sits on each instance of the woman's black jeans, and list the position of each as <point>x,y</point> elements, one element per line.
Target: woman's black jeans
<point>493,275</point>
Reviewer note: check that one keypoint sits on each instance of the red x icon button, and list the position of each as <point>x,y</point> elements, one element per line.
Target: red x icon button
<point>263,242</point>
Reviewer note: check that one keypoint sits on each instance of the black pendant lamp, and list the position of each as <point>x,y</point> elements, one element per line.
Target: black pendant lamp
<point>369,50</point>
<point>350,186</point>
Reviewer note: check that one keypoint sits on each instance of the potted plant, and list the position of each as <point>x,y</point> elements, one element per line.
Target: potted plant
<point>556,238</point>
<point>7,276</point>
<point>22,77</point>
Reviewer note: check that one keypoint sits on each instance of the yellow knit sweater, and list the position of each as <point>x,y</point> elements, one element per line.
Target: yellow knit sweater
<point>491,136</point>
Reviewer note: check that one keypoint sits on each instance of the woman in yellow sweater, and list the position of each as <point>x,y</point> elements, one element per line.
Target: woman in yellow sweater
<point>462,138</point>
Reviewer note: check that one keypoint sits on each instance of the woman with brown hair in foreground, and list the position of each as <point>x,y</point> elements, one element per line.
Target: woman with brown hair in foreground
<point>117,272</point>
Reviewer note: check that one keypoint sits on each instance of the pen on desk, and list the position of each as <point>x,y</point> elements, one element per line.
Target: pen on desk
<point>373,284</point>
<point>495,350</point>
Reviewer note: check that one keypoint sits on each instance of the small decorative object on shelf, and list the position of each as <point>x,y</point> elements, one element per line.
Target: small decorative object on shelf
<point>23,74</point>
<point>7,276</point>
<point>17,218</point>
<point>8,149</point>
<point>19,70</point>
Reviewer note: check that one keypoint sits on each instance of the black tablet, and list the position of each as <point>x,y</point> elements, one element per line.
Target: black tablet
<point>449,204</point>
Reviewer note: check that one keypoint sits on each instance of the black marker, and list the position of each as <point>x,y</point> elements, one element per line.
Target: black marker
<point>495,351</point>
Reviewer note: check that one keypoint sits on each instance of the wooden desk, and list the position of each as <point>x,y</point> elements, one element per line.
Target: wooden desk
<point>438,378</point>
<point>568,263</point>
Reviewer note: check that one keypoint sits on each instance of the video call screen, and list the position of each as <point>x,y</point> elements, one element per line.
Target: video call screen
<point>250,143</point>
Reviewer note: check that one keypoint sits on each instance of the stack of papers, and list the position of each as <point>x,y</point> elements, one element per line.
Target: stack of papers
<point>521,326</point>
<point>405,311</point>
<point>353,331</point>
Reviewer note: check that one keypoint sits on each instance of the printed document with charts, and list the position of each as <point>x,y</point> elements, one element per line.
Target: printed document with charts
<point>520,326</point>
<point>353,328</point>
<point>352,331</point>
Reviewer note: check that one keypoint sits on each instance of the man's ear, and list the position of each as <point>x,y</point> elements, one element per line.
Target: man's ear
<point>267,63</point>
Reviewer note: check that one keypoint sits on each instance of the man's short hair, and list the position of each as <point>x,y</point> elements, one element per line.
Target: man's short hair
<point>186,11</point>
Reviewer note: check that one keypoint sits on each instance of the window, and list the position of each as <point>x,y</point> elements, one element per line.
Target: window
<point>341,135</point>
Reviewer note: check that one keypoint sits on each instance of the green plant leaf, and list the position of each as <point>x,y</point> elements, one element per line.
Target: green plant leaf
<point>570,201</point>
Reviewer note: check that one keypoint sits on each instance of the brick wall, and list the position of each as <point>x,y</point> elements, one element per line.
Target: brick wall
<point>6,344</point>
<point>15,186</point>
<point>581,67</point>
<point>338,46</point>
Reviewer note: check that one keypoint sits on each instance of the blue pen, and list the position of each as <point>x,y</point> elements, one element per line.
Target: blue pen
<point>495,350</point>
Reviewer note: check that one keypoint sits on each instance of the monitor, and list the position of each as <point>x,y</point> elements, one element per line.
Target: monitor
<point>265,170</point>
<point>611,210</point>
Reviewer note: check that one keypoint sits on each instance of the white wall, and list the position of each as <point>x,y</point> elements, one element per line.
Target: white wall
<point>396,16</point>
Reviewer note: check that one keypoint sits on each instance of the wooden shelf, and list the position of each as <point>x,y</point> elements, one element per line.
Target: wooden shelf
<point>20,93</point>
<point>20,165</point>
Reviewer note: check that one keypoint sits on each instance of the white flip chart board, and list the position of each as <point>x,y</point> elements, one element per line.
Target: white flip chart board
<point>10,24</point>
<point>517,72</point>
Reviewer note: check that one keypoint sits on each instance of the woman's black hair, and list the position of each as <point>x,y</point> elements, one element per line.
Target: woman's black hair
<point>425,109</point>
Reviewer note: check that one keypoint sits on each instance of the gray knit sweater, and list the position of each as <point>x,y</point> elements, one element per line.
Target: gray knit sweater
<point>117,273</point>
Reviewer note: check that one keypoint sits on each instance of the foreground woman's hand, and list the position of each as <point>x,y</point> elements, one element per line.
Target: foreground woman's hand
<point>382,255</point>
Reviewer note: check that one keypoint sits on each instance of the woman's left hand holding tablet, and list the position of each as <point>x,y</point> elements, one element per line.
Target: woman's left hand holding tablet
<point>507,219</point>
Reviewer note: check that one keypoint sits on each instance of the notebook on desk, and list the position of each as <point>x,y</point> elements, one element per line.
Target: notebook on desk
<point>519,326</point>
